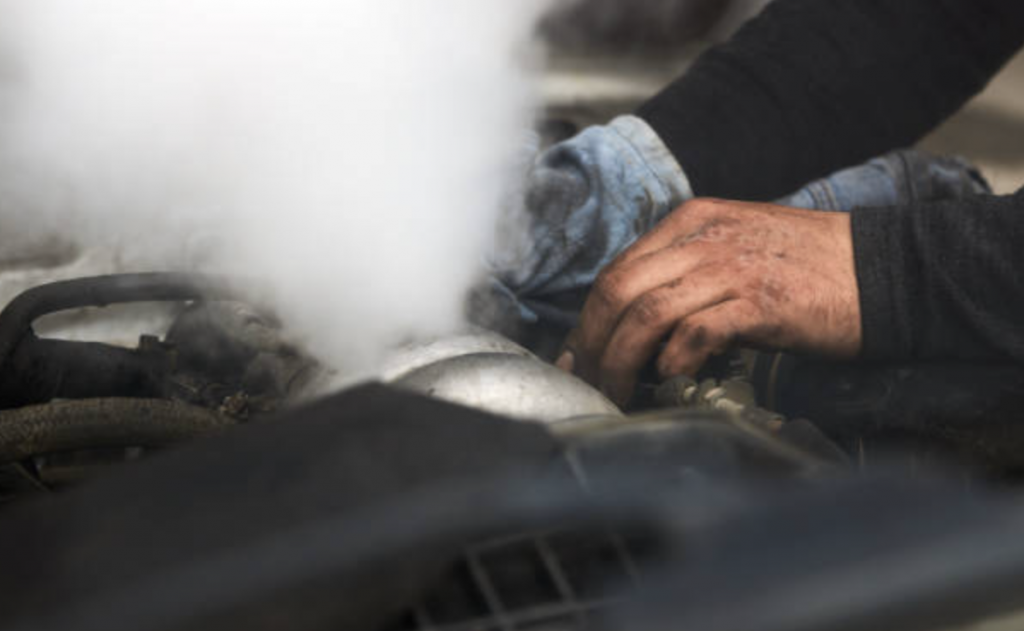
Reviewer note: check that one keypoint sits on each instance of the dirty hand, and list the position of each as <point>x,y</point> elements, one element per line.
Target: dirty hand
<point>713,274</point>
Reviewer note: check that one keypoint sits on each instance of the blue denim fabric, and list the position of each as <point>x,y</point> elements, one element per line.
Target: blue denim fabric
<point>589,198</point>
<point>585,201</point>
<point>893,179</point>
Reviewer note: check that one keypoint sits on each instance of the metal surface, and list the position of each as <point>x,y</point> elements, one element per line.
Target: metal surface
<point>412,357</point>
<point>510,385</point>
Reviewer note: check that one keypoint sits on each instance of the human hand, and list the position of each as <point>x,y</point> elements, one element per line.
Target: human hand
<point>714,274</point>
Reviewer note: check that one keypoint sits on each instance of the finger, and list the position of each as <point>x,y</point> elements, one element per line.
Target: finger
<point>566,361</point>
<point>567,357</point>
<point>707,333</point>
<point>621,285</point>
<point>649,320</point>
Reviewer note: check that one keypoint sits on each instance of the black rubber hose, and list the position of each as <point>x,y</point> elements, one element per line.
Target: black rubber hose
<point>72,425</point>
<point>43,370</point>
<point>17,317</point>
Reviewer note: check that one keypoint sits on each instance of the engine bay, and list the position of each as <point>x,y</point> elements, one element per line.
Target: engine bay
<point>470,485</point>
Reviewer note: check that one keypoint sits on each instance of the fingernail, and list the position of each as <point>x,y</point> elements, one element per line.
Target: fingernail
<point>566,361</point>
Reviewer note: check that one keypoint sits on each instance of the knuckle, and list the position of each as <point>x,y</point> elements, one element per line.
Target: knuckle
<point>649,310</point>
<point>700,335</point>
<point>608,287</point>
<point>694,340</point>
<point>709,334</point>
<point>680,354</point>
<point>715,231</point>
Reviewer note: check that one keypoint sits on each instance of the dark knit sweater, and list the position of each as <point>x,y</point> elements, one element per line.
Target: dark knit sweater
<point>811,86</point>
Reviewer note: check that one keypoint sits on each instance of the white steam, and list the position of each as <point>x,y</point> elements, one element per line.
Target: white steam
<point>349,153</point>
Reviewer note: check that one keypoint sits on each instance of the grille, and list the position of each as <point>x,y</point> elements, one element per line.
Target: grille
<point>552,581</point>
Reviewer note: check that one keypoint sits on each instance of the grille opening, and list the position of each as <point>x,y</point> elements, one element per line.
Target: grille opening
<point>550,581</point>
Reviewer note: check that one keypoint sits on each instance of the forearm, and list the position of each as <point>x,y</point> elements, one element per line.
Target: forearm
<point>942,280</point>
<point>812,86</point>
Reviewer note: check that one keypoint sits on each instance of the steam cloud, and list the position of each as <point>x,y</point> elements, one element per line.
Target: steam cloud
<point>349,153</point>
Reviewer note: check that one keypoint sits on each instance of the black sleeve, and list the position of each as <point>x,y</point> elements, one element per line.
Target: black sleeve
<point>811,86</point>
<point>942,280</point>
